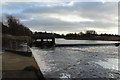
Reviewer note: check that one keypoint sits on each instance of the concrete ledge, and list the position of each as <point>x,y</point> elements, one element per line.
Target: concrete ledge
<point>67,45</point>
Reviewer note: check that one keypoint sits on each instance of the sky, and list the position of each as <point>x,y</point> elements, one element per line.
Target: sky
<point>65,17</point>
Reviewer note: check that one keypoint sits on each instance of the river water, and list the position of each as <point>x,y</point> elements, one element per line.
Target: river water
<point>78,62</point>
<point>64,41</point>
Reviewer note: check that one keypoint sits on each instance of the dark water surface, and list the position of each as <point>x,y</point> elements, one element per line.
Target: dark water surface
<point>78,62</point>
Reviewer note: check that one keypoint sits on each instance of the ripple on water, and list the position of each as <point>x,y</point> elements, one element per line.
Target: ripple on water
<point>75,60</point>
<point>65,75</point>
<point>109,63</point>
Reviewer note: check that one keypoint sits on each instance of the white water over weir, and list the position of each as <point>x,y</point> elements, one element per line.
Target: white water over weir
<point>78,62</point>
<point>40,60</point>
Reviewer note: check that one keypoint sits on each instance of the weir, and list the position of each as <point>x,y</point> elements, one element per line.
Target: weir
<point>44,39</point>
<point>48,40</point>
<point>103,44</point>
<point>48,44</point>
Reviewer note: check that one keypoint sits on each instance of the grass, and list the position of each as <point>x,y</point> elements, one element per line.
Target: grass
<point>0,62</point>
<point>16,62</point>
<point>22,38</point>
<point>18,66</point>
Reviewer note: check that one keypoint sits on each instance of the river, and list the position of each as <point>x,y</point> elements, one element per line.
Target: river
<point>64,41</point>
<point>78,62</point>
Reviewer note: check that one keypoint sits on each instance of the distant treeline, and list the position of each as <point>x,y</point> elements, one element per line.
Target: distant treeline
<point>92,35</point>
<point>55,34</point>
<point>88,33</point>
<point>15,28</point>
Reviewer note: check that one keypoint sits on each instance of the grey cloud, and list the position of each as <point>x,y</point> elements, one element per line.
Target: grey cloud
<point>96,11</point>
<point>50,24</point>
<point>102,14</point>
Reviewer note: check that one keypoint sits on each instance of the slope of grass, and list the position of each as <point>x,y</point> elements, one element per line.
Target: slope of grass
<point>17,66</point>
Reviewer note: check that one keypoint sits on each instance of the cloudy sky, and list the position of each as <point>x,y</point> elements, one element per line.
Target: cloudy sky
<point>65,17</point>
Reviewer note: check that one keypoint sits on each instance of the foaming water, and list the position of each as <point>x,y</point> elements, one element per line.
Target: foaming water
<point>40,59</point>
<point>65,75</point>
<point>78,62</point>
<point>109,63</point>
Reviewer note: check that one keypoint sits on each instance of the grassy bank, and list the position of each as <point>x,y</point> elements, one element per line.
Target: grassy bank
<point>20,67</point>
<point>14,42</point>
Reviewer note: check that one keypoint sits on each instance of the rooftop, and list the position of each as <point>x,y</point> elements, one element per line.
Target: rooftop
<point>44,36</point>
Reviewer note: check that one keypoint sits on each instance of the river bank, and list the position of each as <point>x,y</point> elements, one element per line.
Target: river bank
<point>17,60</point>
<point>18,67</point>
<point>0,66</point>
